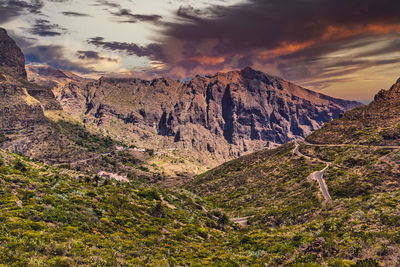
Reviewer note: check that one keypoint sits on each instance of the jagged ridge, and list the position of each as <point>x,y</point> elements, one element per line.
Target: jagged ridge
<point>226,114</point>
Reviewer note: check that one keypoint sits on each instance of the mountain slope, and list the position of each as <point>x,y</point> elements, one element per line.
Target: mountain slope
<point>12,59</point>
<point>377,123</point>
<point>227,113</point>
<point>53,217</point>
<point>277,190</point>
<point>207,119</point>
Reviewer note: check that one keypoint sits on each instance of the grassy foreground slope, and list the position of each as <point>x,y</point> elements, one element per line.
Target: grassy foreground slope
<point>59,217</point>
<point>273,188</point>
<point>64,218</point>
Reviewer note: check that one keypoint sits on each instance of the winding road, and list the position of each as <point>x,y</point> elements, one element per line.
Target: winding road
<point>317,175</point>
<point>242,221</point>
<point>83,160</point>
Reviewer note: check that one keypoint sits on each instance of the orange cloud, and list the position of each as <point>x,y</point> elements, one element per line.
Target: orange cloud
<point>284,49</point>
<point>331,33</point>
<point>206,60</point>
<point>339,32</point>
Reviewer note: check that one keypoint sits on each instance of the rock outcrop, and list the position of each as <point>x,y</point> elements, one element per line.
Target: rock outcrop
<point>12,60</point>
<point>19,112</point>
<point>24,127</point>
<point>393,94</point>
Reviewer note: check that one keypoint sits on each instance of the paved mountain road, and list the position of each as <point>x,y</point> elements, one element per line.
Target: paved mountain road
<point>242,221</point>
<point>317,175</point>
<point>355,145</point>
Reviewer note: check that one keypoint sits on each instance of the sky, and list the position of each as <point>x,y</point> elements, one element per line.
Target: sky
<point>344,48</point>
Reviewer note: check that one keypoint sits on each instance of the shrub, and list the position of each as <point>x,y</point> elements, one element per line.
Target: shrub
<point>367,263</point>
<point>150,194</point>
<point>19,165</point>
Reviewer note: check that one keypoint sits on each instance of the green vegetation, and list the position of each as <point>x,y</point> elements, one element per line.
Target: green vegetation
<point>53,217</point>
<point>289,221</point>
<point>50,218</point>
<point>83,138</point>
<point>3,138</point>
<point>272,183</point>
<point>375,124</point>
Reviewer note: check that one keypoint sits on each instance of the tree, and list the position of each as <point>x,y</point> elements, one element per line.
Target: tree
<point>97,179</point>
<point>223,220</point>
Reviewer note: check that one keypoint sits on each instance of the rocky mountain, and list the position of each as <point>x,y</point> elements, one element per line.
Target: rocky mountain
<point>391,95</point>
<point>216,117</point>
<point>20,113</point>
<point>65,86</point>
<point>12,59</point>
<point>33,123</point>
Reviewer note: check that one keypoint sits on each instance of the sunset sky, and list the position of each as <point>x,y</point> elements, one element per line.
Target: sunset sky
<point>343,48</point>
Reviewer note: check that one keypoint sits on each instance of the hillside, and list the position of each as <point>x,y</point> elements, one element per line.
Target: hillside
<point>277,189</point>
<point>55,217</point>
<point>375,124</point>
<point>81,187</point>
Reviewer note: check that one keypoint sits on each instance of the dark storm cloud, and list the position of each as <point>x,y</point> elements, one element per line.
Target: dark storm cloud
<point>107,3</point>
<point>43,27</point>
<point>126,16</point>
<point>281,33</point>
<point>74,14</point>
<point>94,56</point>
<point>10,9</point>
<point>54,56</point>
<point>152,51</point>
<point>266,24</point>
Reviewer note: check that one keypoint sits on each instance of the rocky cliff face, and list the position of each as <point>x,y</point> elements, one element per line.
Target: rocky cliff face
<point>12,60</point>
<point>226,114</point>
<point>393,94</point>
<point>19,112</point>
<point>24,127</point>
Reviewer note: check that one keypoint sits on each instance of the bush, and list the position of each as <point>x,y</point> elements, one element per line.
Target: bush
<point>2,138</point>
<point>19,165</point>
<point>149,194</point>
<point>223,220</point>
<point>367,263</point>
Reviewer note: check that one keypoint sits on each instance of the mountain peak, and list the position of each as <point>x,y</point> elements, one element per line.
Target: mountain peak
<point>393,94</point>
<point>249,70</point>
<point>12,59</point>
